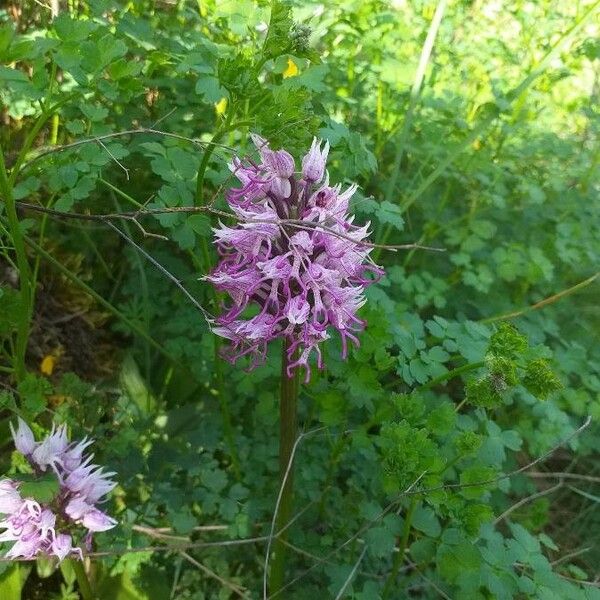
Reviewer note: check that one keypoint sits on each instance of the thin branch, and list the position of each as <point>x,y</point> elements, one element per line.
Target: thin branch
<point>209,318</point>
<point>117,134</point>
<point>162,530</point>
<point>595,584</point>
<point>231,586</point>
<point>512,473</point>
<point>562,475</point>
<point>526,500</point>
<point>115,159</point>
<point>170,548</point>
<point>570,555</point>
<point>157,534</point>
<point>163,118</point>
<point>307,554</point>
<point>545,301</point>
<point>278,502</point>
<point>296,223</point>
<point>429,581</point>
<point>351,575</point>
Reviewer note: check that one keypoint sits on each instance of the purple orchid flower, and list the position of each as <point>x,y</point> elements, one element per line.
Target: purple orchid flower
<point>295,254</point>
<point>32,525</point>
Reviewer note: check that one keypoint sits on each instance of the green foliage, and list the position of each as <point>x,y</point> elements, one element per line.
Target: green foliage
<point>41,489</point>
<point>539,379</point>
<point>476,360</point>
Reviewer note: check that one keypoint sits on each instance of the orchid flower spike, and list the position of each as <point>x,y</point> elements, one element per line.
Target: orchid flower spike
<point>295,254</point>
<point>33,526</point>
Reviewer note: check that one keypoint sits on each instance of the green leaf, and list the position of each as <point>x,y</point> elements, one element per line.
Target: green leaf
<point>94,112</point>
<point>381,539</point>
<point>10,583</point>
<point>200,224</point>
<point>425,520</point>
<point>7,34</point>
<point>312,79</point>
<point>540,380</point>
<point>121,587</point>
<point>210,88</point>
<point>73,30</point>
<point>391,214</point>
<point>26,187</point>
<point>135,386</point>
<point>33,392</point>
<point>472,476</point>
<point>12,75</point>
<point>423,550</point>
<point>457,561</point>
<point>183,521</point>
<point>42,488</point>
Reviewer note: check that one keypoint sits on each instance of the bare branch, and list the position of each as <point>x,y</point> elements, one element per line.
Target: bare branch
<point>107,136</point>
<point>296,223</point>
<point>115,159</point>
<point>279,496</point>
<point>526,500</point>
<point>563,475</point>
<point>231,586</point>
<point>570,555</point>
<point>545,301</point>
<point>351,575</point>
<point>429,581</point>
<point>209,318</point>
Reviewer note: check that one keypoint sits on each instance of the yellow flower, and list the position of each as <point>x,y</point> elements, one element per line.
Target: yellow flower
<point>47,364</point>
<point>291,69</point>
<point>221,106</point>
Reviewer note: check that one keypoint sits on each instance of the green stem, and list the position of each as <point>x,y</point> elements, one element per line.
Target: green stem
<point>120,193</point>
<point>54,130</point>
<point>399,557</point>
<point>217,137</point>
<point>452,374</point>
<point>414,96</point>
<point>205,267</point>
<point>85,589</point>
<point>287,439</point>
<point>115,311</point>
<point>6,187</point>
<point>225,412</point>
<point>7,184</point>
<point>199,200</point>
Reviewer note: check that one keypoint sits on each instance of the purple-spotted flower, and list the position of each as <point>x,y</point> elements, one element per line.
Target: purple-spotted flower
<point>294,257</point>
<point>71,516</point>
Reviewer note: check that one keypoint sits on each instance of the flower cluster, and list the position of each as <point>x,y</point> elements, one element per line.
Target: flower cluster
<point>295,254</point>
<point>49,527</point>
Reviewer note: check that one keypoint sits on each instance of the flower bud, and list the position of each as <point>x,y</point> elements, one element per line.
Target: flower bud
<point>23,437</point>
<point>313,163</point>
<point>62,546</point>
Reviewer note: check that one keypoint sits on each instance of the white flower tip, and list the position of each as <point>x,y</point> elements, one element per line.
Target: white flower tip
<point>23,437</point>
<point>259,141</point>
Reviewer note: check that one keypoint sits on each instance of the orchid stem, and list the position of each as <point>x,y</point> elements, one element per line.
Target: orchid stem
<point>287,439</point>
<point>83,582</point>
